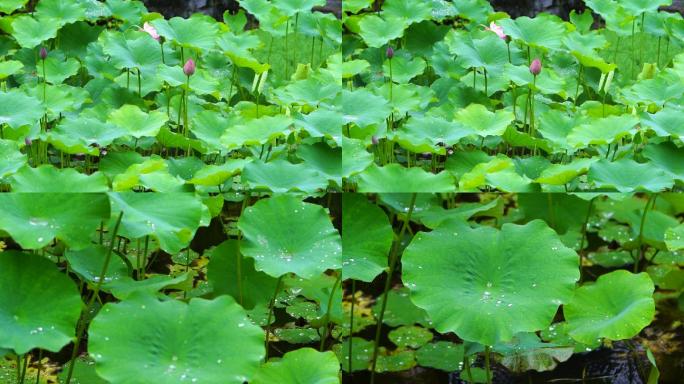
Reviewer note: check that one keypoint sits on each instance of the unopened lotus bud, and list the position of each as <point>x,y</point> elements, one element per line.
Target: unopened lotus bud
<point>536,67</point>
<point>390,52</point>
<point>43,53</point>
<point>147,27</point>
<point>374,140</point>
<point>28,141</point>
<point>450,152</point>
<point>189,68</point>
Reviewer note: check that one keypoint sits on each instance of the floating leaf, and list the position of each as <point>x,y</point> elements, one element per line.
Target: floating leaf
<point>627,175</point>
<point>443,355</point>
<point>301,366</point>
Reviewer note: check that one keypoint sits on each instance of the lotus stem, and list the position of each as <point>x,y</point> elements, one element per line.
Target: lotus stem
<point>294,60</point>
<point>326,322</point>
<point>633,57</point>
<point>658,54</point>
<point>287,33</point>
<point>488,369</point>
<point>388,284</point>
<point>466,362</point>
<point>584,237</point>
<point>40,365</point>
<point>651,201</point>
<point>139,84</point>
<point>82,323</point>
<point>270,314</point>
<point>351,324</point>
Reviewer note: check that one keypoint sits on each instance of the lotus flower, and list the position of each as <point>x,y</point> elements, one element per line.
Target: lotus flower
<point>390,52</point>
<point>147,27</point>
<point>536,67</point>
<point>43,53</point>
<point>497,29</point>
<point>189,68</point>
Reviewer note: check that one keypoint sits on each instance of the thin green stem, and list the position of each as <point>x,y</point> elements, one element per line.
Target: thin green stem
<point>391,81</point>
<point>633,56</point>
<point>40,365</point>
<point>388,284</point>
<point>485,79</point>
<point>82,323</point>
<point>488,369</point>
<point>287,33</point>
<point>270,314</point>
<point>584,236</point>
<point>351,324</point>
<point>139,84</point>
<point>326,321</point>
<point>640,255</point>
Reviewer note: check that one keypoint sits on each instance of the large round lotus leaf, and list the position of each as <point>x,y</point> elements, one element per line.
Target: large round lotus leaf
<point>312,90</point>
<point>559,174</point>
<point>172,218</point>
<point>423,134</point>
<point>542,31</point>
<point>367,238</point>
<point>377,31</point>
<point>125,286</point>
<point>403,69</point>
<point>30,32</point>
<point>47,178</point>
<point>17,109</point>
<point>395,178</point>
<point>322,123</point>
<point>65,12</point>
<point>34,219</point>
<point>667,122</point>
<point>443,355</point>
<point>301,366</point>
<point>195,32</point>
<point>8,6</point>
<point>626,175</point>
<point>222,273</point>
<point>400,310</point>
<point>132,50</point>
<point>410,336</point>
<point>282,176</point>
<point>57,70</point>
<point>484,122</point>
<point>527,352</point>
<point>9,68</point>
<point>408,11</point>
<point>39,306</point>
<point>143,340</point>
<point>363,108</point>
<point>136,122</point>
<point>239,49</point>
<point>212,174</point>
<point>355,157</point>
<point>12,158</point>
<point>78,135</point>
<point>286,235</point>
<point>292,7</point>
<point>489,52</point>
<point>637,7</point>
<point>324,159</point>
<point>256,132</point>
<point>618,306</point>
<point>602,131</point>
<point>88,263</point>
<point>486,284</point>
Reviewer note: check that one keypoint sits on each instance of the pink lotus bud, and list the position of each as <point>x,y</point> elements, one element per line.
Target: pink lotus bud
<point>497,29</point>
<point>43,53</point>
<point>450,152</point>
<point>147,27</point>
<point>390,52</point>
<point>189,68</point>
<point>536,67</point>
<point>374,140</point>
<point>28,141</point>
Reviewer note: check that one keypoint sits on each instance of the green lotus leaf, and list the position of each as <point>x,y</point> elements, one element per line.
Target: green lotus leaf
<point>424,133</point>
<point>410,336</point>
<point>132,50</point>
<point>30,32</point>
<point>362,353</point>
<point>56,71</point>
<point>485,284</point>
<point>637,7</point>
<point>125,286</point>
<point>47,178</point>
<point>172,218</point>
<point>151,174</point>
<point>611,259</point>
<point>626,175</point>
<point>618,306</point>
<point>408,11</point>
<point>667,157</point>
<point>395,361</point>
<point>84,372</point>
<point>280,176</point>
<point>297,335</point>
<point>526,352</point>
<point>209,126</point>
<point>322,158</point>
<point>673,238</point>
<point>488,52</point>
<point>28,317</point>
<point>35,219</point>
<point>560,174</point>
<point>555,126</point>
<point>12,158</point>
<point>9,68</point>
<point>667,122</point>
<point>397,179</point>
<point>17,109</point>
<point>367,238</point>
<point>136,122</point>
<point>88,263</point>
<point>355,157</point>
<point>239,47</point>
<point>443,355</point>
<point>80,135</point>
<point>435,215</point>
<point>212,174</point>
<point>659,90</point>
<point>322,123</point>
<point>543,31</point>
<point>603,131</point>
<point>312,90</point>
<point>482,122</point>
<point>584,46</point>
<point>377,31</point>
<point>665,276</point>
<point>478,176</point>
<point>400,310</point>
<point>508,180</point>
<point>194,33</point>
<point>301,366</point>
<point>363,108</point>
<point>304,242</point>
<point>256,132</point>
<point>65,12</point>
<point>169,139</point>
<point>208,341</point>
<point>292,7</point>
<point>475,10</point>
<point>9,6</point>
<point>354,6</point>
<point>348,68</point>
<point>226,261</point>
